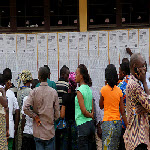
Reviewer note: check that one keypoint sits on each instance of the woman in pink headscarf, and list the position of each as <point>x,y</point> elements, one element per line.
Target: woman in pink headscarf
<point>68,112</point>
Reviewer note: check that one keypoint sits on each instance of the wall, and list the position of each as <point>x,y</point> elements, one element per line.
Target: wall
<point>94,49</point>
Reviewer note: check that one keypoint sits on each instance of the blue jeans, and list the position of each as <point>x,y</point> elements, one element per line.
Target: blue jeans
<point>86,136</point>
<point>45,144</point>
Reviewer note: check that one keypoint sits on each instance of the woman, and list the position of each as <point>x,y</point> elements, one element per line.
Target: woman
<point>23,91</point>
<point>4,120</point>
<point>111,99</point>
<point>84,109</point>
<point>68,112</point>
<point>4,116</point>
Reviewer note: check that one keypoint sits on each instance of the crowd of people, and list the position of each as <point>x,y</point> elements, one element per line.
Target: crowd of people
<point>40,114</point>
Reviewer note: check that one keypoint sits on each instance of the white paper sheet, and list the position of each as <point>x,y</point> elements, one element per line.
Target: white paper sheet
<point>42,49</point>
<point>63,49</point>
<point>21,52</point>
<point>133,41</point>
<point>11,52</point>
<point>93,44</point>
<point>103,49</point>
<point>83,49</point>
<point>73,50</point>
<point>103,39</point>
<point>31,52</point>
<point>113,48</point>
<point>123,44</point>
<point>3,52</point>
<point>144,43</point>
<point>53,56</point>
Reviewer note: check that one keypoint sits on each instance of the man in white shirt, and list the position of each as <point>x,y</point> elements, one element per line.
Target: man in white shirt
<point>13,108</point>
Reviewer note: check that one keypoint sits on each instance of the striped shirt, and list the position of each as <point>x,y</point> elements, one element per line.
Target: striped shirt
<point>62,88</point>
<point>137,131</point>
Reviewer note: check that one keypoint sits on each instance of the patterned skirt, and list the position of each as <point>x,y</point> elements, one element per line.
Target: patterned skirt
<point>111,132</point>
<point>3,140</point>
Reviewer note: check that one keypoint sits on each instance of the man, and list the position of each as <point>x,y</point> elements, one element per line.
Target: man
<point>50,83</point>
<point>13,107</point>
<point>45,109</point>
<point>136,136</point>
<point>62,84</point>
<point>62,88</point>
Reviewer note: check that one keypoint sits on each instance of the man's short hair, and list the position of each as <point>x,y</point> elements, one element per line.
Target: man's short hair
<point>134,59</point>
<point>63,70</point>
<point>43,73</point>
<point>46,66</point>
<point>7,74</point>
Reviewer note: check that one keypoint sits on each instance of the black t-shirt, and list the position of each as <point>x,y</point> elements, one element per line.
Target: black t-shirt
<point>68,101</point>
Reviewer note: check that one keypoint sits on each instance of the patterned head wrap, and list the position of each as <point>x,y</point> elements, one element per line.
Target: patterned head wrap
<point>25,76</point>
<point>72,83</point>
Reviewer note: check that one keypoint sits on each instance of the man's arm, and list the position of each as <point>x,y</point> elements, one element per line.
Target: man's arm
<point>101,102</point>
<point>17,113</point>
<point>56,107</point>
<point>23,121</point>
<point>129,51</point>
<point>7,121</point>
<point>29,102</point>
<point>17,118</point>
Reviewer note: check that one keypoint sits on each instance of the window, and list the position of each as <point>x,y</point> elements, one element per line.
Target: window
<point>30,13</point>
<point>5,13</point>
<point>101,12</point>
<point>64,13</point>
<point>135,11</point>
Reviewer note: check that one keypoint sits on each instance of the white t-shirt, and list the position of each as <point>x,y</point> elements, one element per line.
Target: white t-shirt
<point>13,105</point>
<point>28,129</point>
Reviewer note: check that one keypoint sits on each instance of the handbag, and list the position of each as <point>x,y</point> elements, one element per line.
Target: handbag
<point>61,124</point>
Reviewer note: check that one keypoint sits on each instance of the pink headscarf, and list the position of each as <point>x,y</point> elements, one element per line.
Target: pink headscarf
<point>72,83</point>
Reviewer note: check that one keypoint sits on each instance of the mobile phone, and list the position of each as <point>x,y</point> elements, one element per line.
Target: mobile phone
<point>136,71</point>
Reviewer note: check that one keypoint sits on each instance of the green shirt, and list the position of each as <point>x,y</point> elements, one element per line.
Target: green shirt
<point>51,84</point>
<point>87,96</point>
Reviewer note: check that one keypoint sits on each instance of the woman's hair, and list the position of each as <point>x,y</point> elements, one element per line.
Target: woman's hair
<point>34,83</point>
<point>86,76</point>
<point>125,67</point>
<point>111,75</point>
